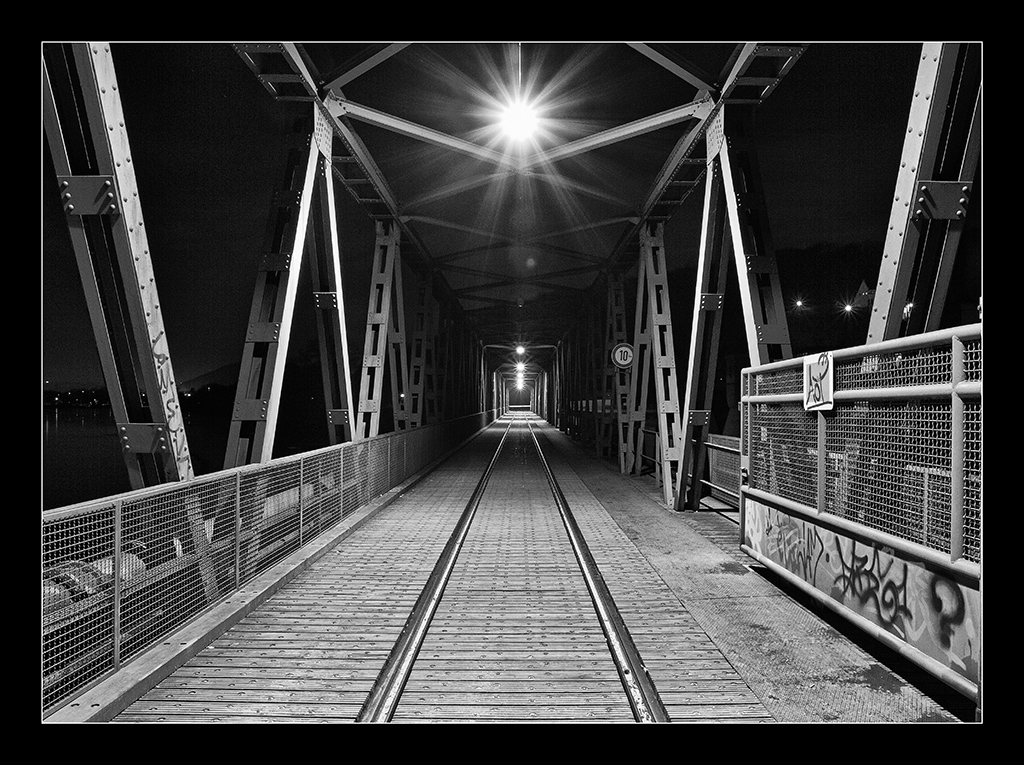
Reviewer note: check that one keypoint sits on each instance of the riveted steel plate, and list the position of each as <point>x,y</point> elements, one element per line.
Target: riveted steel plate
<point>326,301</point>
<point>88,194</point>
<point>263,332</point>
<point>943,200</point>
<point>251,410</point>
<point>143,437</point>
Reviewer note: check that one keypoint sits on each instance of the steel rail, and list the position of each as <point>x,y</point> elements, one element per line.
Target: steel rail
<point>644,698</point>
<point>387,689</point>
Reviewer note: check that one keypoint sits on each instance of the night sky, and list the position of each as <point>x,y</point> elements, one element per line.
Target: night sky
<point>204,136</point>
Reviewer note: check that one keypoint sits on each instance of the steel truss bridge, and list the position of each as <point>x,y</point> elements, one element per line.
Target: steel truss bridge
<point>480,246</point>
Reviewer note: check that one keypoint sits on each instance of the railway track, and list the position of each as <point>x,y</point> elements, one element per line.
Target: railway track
<point>474,597</point>
<point>525,588</point>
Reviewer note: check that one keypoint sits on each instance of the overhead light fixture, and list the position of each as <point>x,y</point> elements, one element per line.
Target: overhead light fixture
<point>519,120</point>
<point>520,366</point>
<point>520,350</point>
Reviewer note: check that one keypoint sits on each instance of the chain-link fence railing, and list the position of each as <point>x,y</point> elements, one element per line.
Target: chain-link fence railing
<point>902,445</point>
<point>120,573</point>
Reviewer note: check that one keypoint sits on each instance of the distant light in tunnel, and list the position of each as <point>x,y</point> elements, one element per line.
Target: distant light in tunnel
<point>520,366</point>
<point>520,350</point>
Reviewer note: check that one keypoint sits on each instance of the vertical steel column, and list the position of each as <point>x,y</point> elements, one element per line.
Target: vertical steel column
<point>652,245</point>
<point>376,342</point>
<point>705,332</point>
<point>934,188</point>
<point>640,372</point>
<point>420,355</point>
<point>328,293</point>
<point>616,385</point>
<point>85,131</point>
<point>760,291</point>
<point>398,358</point>
<point>260,378</point>
<point>595,376</point>
<point>443,375</point>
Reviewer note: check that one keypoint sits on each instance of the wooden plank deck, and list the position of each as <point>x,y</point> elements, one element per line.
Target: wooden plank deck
<point>313,650</point>
<point>516,603</point>
<point>515,638</point>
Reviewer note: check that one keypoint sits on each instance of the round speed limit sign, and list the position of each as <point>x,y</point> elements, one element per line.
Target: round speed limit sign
<point>622,355</point>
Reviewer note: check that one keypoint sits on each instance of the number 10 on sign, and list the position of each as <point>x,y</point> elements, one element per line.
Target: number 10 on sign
<point>622,355</point>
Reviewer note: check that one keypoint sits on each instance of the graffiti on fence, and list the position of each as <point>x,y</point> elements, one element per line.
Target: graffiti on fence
<point>919,606</point>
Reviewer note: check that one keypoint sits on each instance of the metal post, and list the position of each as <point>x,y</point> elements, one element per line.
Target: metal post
<point>639,376</point>
<point>662,345</point>
<point>956,466</point>
<point>261,375</point>
<point>822,461</point>
<point>238,529</point>
<point>705,332</point>
<point>330,299</point>
<point>760,291</point>
<point>302,497</point>
<point>398,359</point>
<point>377,329</point>
<point>118,583</point>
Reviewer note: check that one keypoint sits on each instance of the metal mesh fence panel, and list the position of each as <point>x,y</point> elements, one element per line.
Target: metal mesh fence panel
<point>377,466</point>
<point>414,451</point>
<point>354,476</point>
<point>77,602</point>
<point>187,568</point>
<point>972,481</point>
<point>321,492</point>
<point>186,545</point>
<point>778,381</point>
<point>895,369</point>
<point>724,469</point>
<point>396,463</point>
<point>887,467</point>
<point>972,360</point>
<point>269,510</point>
<point>783,452</point>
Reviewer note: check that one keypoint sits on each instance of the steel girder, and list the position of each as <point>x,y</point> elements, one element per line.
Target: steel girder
<point>85,130</point>
<point>934,192</point>
<point>385,334</point>
<point>422,408</point>
<point>613,434</point>
<point>264,356</point>
<point>655,349</point>
<point>734,219</point>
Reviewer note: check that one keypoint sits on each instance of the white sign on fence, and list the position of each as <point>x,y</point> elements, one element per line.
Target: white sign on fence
<point>818,382</point>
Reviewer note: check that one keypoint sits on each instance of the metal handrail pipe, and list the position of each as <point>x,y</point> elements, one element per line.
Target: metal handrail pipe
<point>644,698</point>
<point>909,343</point>
<point>970,389</point>
<point>91,505</point>
<point>967,571</point>
<point>387,689</point>
<point>722,448</point>
<point>722,489</point>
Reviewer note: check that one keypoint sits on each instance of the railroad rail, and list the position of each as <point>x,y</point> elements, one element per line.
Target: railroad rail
<point>475,596</point>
